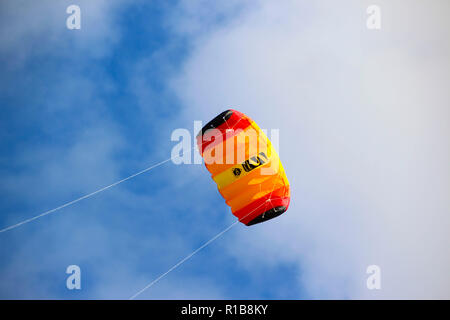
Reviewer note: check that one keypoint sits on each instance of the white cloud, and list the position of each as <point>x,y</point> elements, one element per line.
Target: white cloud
<point>39,27</point>
<point>364,138</point>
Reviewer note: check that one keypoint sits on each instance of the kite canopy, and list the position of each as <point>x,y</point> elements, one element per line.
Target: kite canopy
<point>245,167</point>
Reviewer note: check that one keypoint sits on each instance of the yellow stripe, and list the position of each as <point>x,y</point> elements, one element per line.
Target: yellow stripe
<point>266,154</point>
<point>237,171</point>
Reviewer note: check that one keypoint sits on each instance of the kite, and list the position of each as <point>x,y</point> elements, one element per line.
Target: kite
<point>245,166</point>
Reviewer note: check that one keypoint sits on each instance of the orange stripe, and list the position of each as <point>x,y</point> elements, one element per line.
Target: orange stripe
<point>238,148</point>
<point>237,200</point>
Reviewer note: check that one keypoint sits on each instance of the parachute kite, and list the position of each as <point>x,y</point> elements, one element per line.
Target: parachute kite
<point>245,167</point>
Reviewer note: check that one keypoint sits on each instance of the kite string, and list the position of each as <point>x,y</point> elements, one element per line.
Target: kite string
<point>101,189</point>
<point>195,251</point>
<point>128,178</point>
<point>93,193</point>
<point>207,242</point>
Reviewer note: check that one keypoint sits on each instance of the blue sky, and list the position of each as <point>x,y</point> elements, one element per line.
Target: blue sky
<point>363,139</point>
<point>75,118</point>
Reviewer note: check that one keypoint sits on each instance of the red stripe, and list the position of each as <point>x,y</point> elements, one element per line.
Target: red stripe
<point>237,121</point>
<point>277,198</point>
